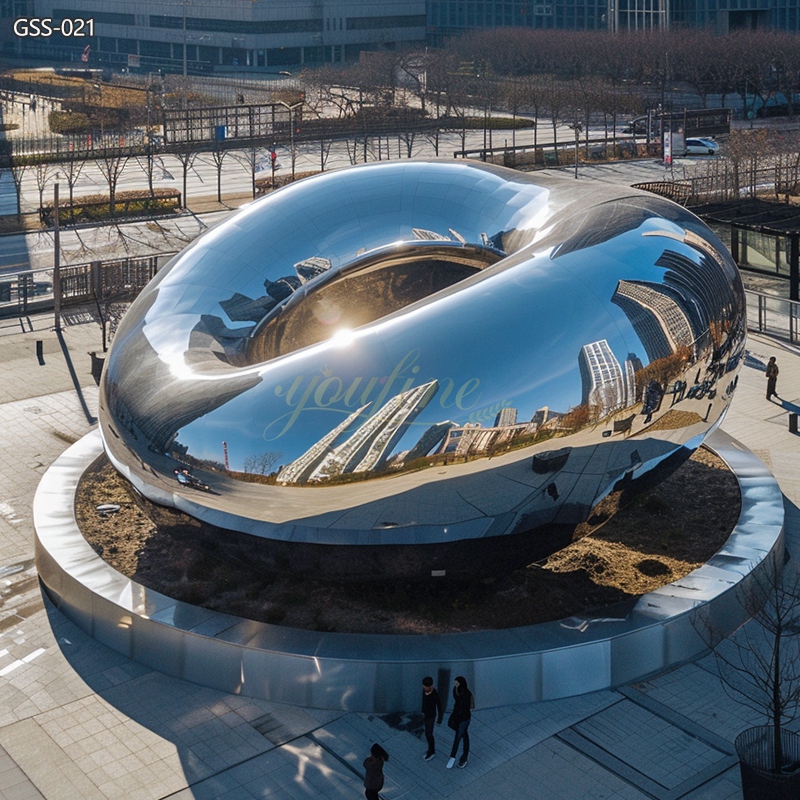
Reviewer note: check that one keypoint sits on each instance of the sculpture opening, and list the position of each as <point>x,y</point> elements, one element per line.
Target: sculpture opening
<point>369,289</point>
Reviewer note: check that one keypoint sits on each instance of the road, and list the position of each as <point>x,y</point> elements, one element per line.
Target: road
<point>201,179</point>
<point>79,245</point>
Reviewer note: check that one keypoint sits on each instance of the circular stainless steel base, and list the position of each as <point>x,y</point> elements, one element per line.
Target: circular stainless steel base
<point>382,673</point>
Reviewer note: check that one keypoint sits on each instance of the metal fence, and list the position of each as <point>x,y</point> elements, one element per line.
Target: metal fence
<point>724,180</point>
<point>776,316</point>
<point>119,280</point>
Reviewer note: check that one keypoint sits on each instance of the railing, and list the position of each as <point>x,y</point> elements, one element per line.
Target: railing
<point>118,280</point>
<point>776,316</point>
<point>26,292</point>
<point>724,180</point>
<point>560,153</point>
<point>679,191</point>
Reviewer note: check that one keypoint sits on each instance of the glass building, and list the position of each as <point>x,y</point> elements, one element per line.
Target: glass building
<point>451,17</point>
<point>242,34</point>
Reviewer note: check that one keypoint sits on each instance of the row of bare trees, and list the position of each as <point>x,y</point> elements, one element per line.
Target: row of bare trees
<point>112,164</point>
<point>746,158</point>
<point>517,68</point>
<point>458,100</point>
<point>757,162</point>
<point>756,61</point>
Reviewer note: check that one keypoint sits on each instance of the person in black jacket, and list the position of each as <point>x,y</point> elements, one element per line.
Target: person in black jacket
<point>373,775</point>
<point>432,711</point>
<point>460,719</point>
<point>772,378</point>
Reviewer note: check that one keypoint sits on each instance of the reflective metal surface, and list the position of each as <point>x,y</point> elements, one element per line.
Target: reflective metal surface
<point>381,673</point>
<point>447,355</point>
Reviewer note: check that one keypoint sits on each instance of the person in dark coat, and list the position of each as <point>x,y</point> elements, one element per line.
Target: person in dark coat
<point>432,712</point>
<point>373,771</point>
<point>459,721</point>
<point>653,396</point>
<point>772,378</point>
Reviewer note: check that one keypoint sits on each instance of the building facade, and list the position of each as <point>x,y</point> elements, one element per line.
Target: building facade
<point>278,35</point>
<point>256,35</point>
<point>603,384</point>
<point>448,18</point>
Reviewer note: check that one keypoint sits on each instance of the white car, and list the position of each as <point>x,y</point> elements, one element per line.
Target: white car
<point>701,147</point>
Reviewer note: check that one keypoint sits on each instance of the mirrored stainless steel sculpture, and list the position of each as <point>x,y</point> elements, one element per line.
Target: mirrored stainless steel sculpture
<point>415,369</point>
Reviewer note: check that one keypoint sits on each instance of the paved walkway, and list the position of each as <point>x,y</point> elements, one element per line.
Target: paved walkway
<point>79,721</point>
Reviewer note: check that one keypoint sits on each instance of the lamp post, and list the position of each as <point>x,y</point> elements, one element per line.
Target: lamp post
<point>749,112</point>
<point>290,107</point>
<point>577,127</point>
<point>56,261</point>
<point>185,63</point>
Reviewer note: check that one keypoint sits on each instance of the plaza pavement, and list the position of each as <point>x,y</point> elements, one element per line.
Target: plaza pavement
<point>78,720</point>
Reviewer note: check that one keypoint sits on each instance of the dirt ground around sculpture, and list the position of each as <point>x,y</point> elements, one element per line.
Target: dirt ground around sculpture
<point>629,546</point>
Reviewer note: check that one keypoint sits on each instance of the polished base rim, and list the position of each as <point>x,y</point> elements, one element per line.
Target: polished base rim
<point>381,673</point>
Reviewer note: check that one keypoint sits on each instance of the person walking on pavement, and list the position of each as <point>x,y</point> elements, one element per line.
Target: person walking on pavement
<point>772,378</point>
<point>373,775</point>
<point>432,712</point>
<point>459,721</point>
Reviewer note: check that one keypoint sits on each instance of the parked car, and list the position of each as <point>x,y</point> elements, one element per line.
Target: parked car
<point>701,147</point>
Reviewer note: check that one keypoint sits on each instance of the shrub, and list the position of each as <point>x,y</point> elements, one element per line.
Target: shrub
<point>95,207</point>
<point>68,122</point>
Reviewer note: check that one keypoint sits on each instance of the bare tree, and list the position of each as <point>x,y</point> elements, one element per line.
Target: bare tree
<point>450,85</point>
<point>324,153</point>
<point>261,463</point>
<point>787,62</point>
<point>218,156</point>
<point>756,78</point>
<point>411,68</point>
<point>44,173</point>
<point>534,88</point>
<point>148,165</point>
<point>112,296</point>
<point>18,171</point>
<point>693,61</point>
<point>760,664</point>
<point>353,149</point>
<point>727,70</point>
<point>111,164</point>
<point>71,169</point>
<point>559,97</point>
<point>745,153</point>
<point>186,156</point>
<point>343,91</point>
<point>251,159</point>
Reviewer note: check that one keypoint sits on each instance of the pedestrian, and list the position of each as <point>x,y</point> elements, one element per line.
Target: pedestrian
<point>772,377</point>
<point>432,712</point>
<point>373,775</point>
<point>459,721</point>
